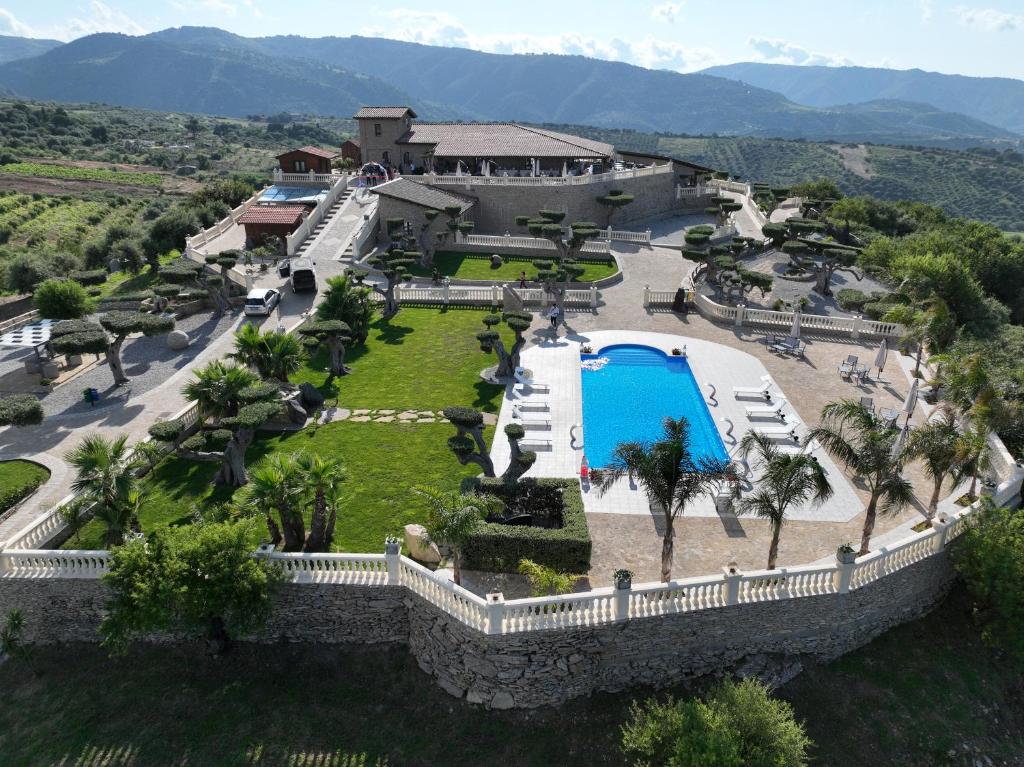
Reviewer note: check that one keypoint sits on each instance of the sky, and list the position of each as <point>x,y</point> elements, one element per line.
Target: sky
<point>681,35</point>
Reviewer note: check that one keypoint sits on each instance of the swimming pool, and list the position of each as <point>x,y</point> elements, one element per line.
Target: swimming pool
<point>629,390</point>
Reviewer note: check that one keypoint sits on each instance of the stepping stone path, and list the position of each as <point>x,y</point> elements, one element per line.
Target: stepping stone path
<point>364,415</point>
<point>360,418</point>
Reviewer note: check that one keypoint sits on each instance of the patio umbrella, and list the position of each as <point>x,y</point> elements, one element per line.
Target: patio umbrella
<point>901,439</point>
<point>881,356</point>
<point>911,401</point>
<point>565,169</point>
<point>794,332</point>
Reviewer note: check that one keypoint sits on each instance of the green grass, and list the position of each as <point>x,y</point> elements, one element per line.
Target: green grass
<point>19,479</point>
<point>477,266</point>
<point>425,359</point>
<point>126,282</point>
<point>905,699</point>
<point>43,170</point>
<point>382,461</point>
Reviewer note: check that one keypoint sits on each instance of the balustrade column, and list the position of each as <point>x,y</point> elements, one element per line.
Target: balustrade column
<point>495,612</point>
<point>392,552</point>
<point>647,296</point>
<point>740,309</point>
<point>942,526</point>
<point>732,577</point>
<point>621,594</point>
<point>593,296</point>
<point>858,325</point>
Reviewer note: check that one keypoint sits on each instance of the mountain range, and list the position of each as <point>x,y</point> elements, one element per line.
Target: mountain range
<point>208,70</point>
<point>995,100</point>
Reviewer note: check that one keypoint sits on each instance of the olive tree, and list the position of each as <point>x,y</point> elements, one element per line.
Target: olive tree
<point>824,262</point>
<point>86,337</point>
<point>468,444</point>
<point>615,199</point>
<point>393,264</point>
<point>520,460</point>
<point>228,442</point>
<point>333,334</point>
<point>185,272</point>
<point>490,340</point>
<point>226,261</point>
<point>431,239</point>
<point>557,273</point>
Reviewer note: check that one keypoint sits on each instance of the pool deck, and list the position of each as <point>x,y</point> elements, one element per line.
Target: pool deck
<point>717,369</point>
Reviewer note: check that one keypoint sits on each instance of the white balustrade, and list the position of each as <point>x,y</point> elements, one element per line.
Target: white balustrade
<point>592,608</point>
<point>356,569</point>
<point>613,235</point>
<point>454,600</point>
<point>19,321</point>
<point>53,563</point>
<point>596,178</point>
<point>678,596</point>
<point>532,243</point>
<point>294,240</point>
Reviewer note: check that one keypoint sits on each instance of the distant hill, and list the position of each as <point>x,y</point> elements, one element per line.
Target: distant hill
<point>227,80</point>
<point>216,72</point>
<point>12,48</point>
<point>995,100</point>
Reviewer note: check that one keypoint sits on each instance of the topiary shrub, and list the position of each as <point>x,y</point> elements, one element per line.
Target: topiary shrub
<point>499,548</point>
<point>61,300</point>
<point>20,410</point>
<point>852,299</point>
<point>93,277</point>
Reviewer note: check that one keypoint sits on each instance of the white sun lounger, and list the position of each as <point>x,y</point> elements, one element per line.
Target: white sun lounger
<point>767,411</point>
<point>778,432</point>
<point>755,392</point>
<point>528,384</point>
<point>532,404</point>
<point>532,443</point>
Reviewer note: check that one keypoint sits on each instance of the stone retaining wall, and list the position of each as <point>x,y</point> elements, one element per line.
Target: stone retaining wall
<point>530,669</point>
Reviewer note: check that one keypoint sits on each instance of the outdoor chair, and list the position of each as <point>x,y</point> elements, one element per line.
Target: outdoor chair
<point>860,373</point>
<point>888,417</point>
<point>868,403</point>
<point>847,368</point>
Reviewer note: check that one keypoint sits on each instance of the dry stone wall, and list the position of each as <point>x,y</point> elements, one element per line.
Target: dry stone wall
<point>530,669</point>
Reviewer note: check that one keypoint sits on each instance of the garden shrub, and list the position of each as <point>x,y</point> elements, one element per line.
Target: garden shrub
<point>11,496</point>
<point>61,300</point>
<point>92,277</point>
<point>20,410</point>
<point>852,299</point>
<point>499,548</point>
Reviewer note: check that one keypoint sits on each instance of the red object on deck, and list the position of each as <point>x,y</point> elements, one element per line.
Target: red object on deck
<point>584,469</point>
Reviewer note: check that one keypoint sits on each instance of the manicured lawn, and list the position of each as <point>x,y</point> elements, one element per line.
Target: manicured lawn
<point>477,266</point>
<point>425,359</point>
<point>19,479</point>
<point>383,461</point>
<point>905,699</point>
<point>126,282</point>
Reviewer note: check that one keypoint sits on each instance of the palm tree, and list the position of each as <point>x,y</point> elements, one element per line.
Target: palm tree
<point>787,480</point>
<point>321,477</point>
<point>217,388</point>
<point>272,355</point>
<point>853,434</point>
<point>974,458</point>
<point>106,479</point>
<point>942,447</point>
<point>275,484</point>
<point>669,473</point>
<point>454,517</point>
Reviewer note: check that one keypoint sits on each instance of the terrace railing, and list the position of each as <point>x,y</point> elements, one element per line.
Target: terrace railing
<point>19,321</point>
<point>198,241</point>
<point>492,295</point>
<point>596,178</point>
<point>319,213</point>
<point>330,179</point>
<point>533,243</point>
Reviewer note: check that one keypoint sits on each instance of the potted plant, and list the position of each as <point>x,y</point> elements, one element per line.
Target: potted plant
<point>595,475</point>
<point>846,554</point>
<point>392,545</point>
<point>586,349</point>
<point>623,579</point>
<point>677,352</point>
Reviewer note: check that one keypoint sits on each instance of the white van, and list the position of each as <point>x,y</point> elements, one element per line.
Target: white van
<point>302,275</point>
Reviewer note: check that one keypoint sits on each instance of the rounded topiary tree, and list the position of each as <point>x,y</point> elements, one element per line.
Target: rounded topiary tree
<point>468,444</point>
<point>61,300</point>
<point>189,273</point>
<point>85,337</point>
<point>226,261</point>
<point>490,340</point>
<point>557,273</point>
<point>777,233</point>
<point>20,410</point>
<point>393,264</point>
<point>615,199</point>
<point>333,334</point>
<point>519,461</point>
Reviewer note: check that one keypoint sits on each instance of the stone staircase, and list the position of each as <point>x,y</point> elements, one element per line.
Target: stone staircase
<point>344,198</point>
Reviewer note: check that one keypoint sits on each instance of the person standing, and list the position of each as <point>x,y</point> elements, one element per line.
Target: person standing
<point>522,279</point>
<point>554,315</point>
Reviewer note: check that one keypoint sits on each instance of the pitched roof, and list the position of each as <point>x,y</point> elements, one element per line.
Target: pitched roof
<point>272,214</point>
<point>502,140</point>
<point>382,113</point>
<point>353,141</point>
<point>427,196</point>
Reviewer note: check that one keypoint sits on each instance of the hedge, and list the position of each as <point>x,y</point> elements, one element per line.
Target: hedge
<point>852,299</point>
<point>94,277</point>
<point>12,496</point>
<point>498,548</point>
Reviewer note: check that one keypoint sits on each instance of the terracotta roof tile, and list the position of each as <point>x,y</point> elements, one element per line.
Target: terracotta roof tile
<point>406,189</point>
<point>502,140</point>
<point>272,214</point>
<point>383,113</point>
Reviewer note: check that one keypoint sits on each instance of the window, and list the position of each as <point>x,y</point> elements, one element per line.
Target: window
<point>300,166</point>
<point>376,129</point>
<point>405,158</point>
<point>385,157</point>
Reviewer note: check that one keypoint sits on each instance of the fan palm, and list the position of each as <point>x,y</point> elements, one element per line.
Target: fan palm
<point>852,433</point>
<point>106,478</point>
<point>217,388</point>
<point>930,325</point>
<point>320,478</point>
<point>453,518</point>
<point>942,447</point>
<point>272,355</point>
<point>275,484</point>
<point>670,475</point>
<point>787,480</point>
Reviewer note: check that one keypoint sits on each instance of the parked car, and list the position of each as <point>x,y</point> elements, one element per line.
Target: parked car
<point>261,301</point>
<point>302,275</point>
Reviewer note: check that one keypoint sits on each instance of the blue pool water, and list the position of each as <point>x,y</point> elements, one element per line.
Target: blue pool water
<point>628,398</point>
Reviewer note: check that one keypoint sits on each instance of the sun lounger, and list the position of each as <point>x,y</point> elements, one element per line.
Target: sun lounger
<point>532,443</point>
<point>767,411</point>
<point>778,432</point>
<point>532,404</point>
<point>754,392</point>
<point>528,384</point>
<point>531,423</point>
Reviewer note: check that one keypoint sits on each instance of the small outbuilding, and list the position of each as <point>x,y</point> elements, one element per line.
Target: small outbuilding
<point>263,221</point>
<point>306,159</point>
<point>350,151</point>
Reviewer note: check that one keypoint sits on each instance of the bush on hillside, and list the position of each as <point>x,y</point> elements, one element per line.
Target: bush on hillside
<point>61,300</point>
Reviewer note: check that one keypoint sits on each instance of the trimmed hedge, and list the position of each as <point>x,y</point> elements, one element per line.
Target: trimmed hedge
<point>36,476</point>
<point>498,548</point>
<point>93,277</point>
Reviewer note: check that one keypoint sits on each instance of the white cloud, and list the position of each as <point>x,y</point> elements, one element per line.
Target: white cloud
<point>441,28</point>
<point>98,17</point>
<point>989,19</point>
<point>666,12</point>
<point>774,51</point>
<point>926,9</point>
